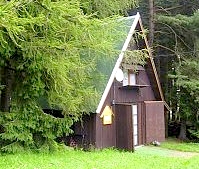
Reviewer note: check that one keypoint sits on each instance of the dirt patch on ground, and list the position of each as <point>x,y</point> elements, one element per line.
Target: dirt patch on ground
<point>159,151</point>
<point>182,154</point>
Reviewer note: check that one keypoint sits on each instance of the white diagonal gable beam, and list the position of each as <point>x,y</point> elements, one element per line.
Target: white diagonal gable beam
<point>118,63</point>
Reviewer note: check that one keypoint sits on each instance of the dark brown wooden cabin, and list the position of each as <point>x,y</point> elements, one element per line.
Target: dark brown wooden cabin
<point>136,104</point>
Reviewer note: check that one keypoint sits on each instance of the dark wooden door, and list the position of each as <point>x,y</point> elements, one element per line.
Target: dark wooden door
<point>154,121</point>
<point>124,127</point>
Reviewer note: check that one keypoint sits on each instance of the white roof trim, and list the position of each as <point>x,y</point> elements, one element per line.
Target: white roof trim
<point>119,60</point>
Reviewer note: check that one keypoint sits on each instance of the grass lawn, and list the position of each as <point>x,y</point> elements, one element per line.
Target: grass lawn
<point>175,144</point>
<point>142,158</point>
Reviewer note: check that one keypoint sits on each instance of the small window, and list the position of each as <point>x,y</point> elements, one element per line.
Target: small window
<point>132,79</point>
<point>129,78</point>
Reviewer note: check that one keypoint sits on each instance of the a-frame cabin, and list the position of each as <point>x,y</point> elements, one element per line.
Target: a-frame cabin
<point>131,111</point>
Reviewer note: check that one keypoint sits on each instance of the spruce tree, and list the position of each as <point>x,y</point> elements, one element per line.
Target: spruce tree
<point>49,51</point>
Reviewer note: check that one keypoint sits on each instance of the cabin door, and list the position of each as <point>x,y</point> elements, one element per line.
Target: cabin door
<point>154,121</point>
<point>124,127</point>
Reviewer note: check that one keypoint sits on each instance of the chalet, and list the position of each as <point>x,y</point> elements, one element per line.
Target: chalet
<point>131,110</point>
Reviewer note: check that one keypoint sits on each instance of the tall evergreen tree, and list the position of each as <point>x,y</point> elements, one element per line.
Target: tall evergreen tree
<point>49,49</point>
<point>186,72</point>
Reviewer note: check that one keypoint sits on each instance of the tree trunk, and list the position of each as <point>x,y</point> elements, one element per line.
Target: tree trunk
<point>182,135</point>
<point>6,80</point>
<point>151,22</point>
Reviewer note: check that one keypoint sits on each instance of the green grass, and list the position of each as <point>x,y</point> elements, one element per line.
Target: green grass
<point>142,158</point>
<point>175,144</point>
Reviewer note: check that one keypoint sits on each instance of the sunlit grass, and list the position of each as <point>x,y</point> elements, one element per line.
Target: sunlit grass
<point>100,159</point>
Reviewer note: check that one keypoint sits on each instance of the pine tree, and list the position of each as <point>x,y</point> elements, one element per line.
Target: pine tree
<point>49,50</point>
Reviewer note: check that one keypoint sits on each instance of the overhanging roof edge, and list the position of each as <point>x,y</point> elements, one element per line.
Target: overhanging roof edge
<point>119,60</point>
<point>153,65</point>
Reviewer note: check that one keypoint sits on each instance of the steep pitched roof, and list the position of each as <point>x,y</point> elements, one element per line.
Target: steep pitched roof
<point>134,21</point>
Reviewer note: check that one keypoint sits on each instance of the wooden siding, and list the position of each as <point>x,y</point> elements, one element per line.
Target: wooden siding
<point>88,130</point>
<point>125,95</point>
<point>146,93</point>
<point>119,95</point>
<point>105,134</point>
<point>136,94</point>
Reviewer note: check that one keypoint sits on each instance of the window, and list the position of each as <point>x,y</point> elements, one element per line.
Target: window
<point>132,78</point>
<point>129,78</point>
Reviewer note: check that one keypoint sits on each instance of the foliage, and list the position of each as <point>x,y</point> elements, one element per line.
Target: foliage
<point>1,88</point>
<point>29,128</point>
<point>104,8</point>
<point>52,49</point>
<point>136,57</point>
<point>186,66</point>
<point>176,54</point>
